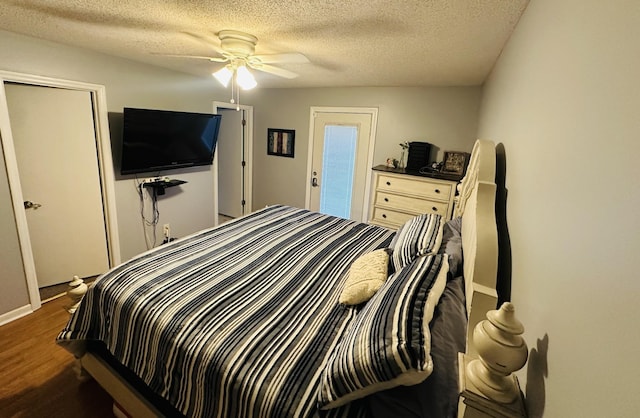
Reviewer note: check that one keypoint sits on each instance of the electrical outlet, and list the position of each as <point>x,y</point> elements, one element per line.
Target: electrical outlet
<point>166,231</point>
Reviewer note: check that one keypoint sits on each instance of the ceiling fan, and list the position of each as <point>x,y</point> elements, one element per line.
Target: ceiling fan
<point>238,49</point>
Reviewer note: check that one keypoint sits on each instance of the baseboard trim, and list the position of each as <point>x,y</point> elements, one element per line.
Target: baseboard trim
<point>15,314</point>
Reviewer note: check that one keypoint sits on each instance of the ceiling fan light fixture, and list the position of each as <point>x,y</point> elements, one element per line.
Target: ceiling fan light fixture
<point>223,75</point>
<point>244,78</point>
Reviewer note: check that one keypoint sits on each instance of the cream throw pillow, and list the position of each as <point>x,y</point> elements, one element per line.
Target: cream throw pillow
<point>366,275</point>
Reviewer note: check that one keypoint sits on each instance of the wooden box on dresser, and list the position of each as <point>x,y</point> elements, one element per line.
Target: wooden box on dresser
<point>397,196</point>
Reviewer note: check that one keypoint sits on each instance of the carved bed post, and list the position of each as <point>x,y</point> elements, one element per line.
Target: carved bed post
<point>75,292</point>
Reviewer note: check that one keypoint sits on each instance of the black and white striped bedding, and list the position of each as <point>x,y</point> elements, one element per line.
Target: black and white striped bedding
<point>389,342</point>
<point>234,321</point>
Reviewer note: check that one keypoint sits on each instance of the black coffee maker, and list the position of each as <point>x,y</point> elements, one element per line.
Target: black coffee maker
<point>418,157</point>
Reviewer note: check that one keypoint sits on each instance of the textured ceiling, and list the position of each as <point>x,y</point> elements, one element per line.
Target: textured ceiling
<point>349,42</point>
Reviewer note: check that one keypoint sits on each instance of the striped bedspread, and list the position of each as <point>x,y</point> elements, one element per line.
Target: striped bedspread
<point>236,321</point>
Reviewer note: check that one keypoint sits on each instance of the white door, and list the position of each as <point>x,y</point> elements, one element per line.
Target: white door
<point>340,162</point>
<point>238,156</point>
<point>55,146</point>
<point>231,163</point>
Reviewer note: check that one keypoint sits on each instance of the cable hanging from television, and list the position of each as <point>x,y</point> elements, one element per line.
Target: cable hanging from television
<point>155,214</point>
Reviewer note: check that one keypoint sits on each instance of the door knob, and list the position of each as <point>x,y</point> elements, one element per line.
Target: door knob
<point>30,205</point>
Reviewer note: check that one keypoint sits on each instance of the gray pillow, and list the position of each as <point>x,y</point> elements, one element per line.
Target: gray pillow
<point>452,246</point>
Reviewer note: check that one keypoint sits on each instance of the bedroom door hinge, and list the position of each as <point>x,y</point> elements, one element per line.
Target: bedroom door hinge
<point>244,122</point>
<point>244,163</point>
<point>244,202</point>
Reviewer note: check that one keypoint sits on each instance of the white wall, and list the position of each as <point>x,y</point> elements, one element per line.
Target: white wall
<point>443,116</point>
<point>564,102</point>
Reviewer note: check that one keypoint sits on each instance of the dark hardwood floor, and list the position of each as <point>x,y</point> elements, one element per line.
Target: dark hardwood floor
<point>36,375</point>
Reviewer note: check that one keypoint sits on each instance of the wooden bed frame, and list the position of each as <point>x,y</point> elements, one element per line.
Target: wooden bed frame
<point>475,203</point>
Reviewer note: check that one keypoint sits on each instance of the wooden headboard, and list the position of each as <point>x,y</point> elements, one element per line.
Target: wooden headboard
<point>476,204</point>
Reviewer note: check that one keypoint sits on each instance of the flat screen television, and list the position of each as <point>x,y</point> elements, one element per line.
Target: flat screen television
<point>156,140</point>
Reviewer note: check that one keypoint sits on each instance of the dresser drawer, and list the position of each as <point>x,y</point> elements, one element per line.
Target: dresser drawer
<point>424,188</point>
<point>390,217</point>
<point>410,204</point>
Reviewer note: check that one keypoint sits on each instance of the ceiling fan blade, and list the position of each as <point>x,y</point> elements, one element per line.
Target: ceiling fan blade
<point>211,41</point>
<point>274,70</point>
<point>203,57</point>
<point>285,58</point>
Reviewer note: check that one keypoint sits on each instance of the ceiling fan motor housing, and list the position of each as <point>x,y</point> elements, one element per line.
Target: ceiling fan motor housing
<point>237,43</point>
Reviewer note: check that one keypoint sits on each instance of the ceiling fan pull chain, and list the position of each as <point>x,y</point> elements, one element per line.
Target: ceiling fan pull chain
<point>233,87</point>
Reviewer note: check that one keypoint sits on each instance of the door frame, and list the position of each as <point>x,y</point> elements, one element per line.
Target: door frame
<point>248,157</point>
<point>105,166</point>
<point>373,112</point>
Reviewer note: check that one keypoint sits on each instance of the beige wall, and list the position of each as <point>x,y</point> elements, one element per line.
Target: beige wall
<point>563,100</point>
<point>443,116</point>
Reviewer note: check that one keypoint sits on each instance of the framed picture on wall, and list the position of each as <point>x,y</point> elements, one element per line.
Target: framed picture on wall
<point>281,142</point>
<point>455,162</point>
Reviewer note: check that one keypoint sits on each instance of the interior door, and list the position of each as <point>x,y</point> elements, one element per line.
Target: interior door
<point>340,163</point>
<point>231,163</point>
<point>55,146</point>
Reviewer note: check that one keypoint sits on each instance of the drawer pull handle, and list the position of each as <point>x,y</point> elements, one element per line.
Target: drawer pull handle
<point>384,216</point>
<point>437,190</point>
<point>386,199</point>
<point>435,209</point>
<point>388,183</point>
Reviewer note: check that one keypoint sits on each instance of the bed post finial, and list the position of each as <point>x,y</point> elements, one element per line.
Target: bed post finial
<point>75,292</point>
<point>502,351</point>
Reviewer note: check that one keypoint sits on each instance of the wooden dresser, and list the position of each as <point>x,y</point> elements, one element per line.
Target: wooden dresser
<point>397,196</point>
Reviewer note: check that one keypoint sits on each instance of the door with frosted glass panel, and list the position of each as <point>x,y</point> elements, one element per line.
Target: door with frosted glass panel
<point>339,163</point>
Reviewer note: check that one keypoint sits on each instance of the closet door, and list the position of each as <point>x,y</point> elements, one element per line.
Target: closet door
<point>55,144</point>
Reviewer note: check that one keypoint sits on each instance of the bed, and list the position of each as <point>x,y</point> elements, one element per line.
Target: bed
<point>249,319</point>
